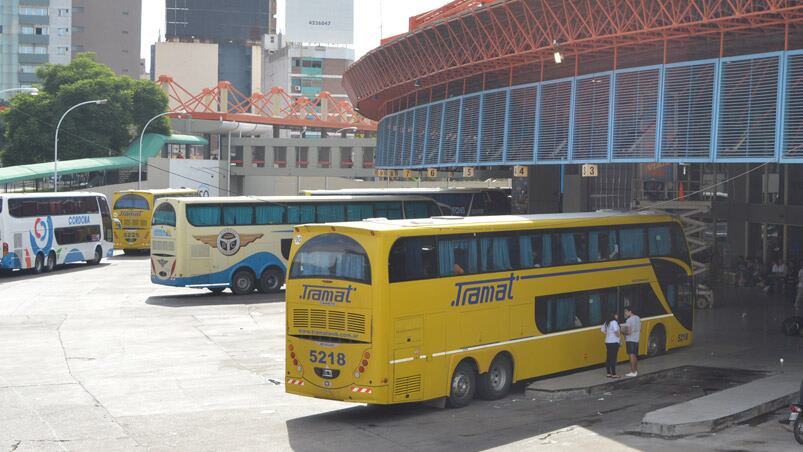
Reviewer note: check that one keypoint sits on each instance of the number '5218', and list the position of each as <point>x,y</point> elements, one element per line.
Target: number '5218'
<point>321,357</point>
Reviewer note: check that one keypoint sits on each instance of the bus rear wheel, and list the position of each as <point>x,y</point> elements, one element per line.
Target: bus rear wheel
<point>51,262</point>
<point>271,281</point>
<point>495,383</point>
<point>463,385</point>
<point>242,283</point>
<point>39,263</point>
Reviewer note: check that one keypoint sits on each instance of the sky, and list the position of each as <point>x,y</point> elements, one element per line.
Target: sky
<point>373,19</point>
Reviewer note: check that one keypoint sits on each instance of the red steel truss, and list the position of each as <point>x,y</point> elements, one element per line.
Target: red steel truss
<point>274,107</point>
<point>461,39</point>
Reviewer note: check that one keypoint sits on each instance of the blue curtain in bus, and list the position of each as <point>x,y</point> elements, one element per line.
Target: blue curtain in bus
<point>330,212</point>
<point>237,215</point>
<point>632,243</point>
<point>358,212</point>
<point>350,266</point>
<point>301,214</point>
<point>594,253</point>
<point>567,249</point>
<point>389,210</point>
<point>457,252</point>
<point>594,310</point>
<point>494,254</point>
<point>416,210</point>
<point>317,263</point>
<point>203,215</point>
<point>269,214</point>
<point>660,244</point>
<point>564,314</point>
<point>535,251</point>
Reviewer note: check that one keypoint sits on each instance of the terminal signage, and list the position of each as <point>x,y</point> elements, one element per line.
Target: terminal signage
<point>432,172</point>
<point>520,171</point>
<point>468,171</point>
<point>590,170</point>
<point>408,174</point>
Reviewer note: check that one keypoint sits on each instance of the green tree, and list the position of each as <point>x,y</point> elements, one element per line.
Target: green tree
<point>89,131</point>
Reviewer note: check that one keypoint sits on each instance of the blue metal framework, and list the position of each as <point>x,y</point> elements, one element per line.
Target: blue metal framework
<point>738,109</point>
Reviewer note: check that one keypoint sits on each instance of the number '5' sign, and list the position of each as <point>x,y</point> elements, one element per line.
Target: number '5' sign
<point>321,357</point>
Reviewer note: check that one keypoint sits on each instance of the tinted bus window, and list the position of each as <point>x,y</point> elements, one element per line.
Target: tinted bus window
<point>359,211</point>
<point>498,203</point>
<point>301,213</point>
<point>234,215</point>
<point>642,299</point>
<point>332,256</point>
<point>459,202</point>
<point>331,212</point>
<point>132,202</point>
<point>106,217</point>
<point>574,310</point>
<point>269,214</point>
<point>659,240</point>
<point>77,234</point>
<point>165,215</point>
<point>420,209</point>
<point>573,247</point>
<point>41,207</point>
<point>535,250</point>
<point>412,258</point>
<point>602,245</point>
<point>389,210</point>
<point>200,215</point>
<point>631,243</point>
<point>497,253</point>
<point>457,256</point>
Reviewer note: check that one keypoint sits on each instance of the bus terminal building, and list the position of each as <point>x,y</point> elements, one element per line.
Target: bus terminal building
<point>685,106</point>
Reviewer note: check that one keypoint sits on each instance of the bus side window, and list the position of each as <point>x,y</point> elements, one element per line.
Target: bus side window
<point>269,214</point>
<point>238,215</point>
<point>412,258</point>
<point>497,253</point>
<point>457,256</point>
<point>602,245</point>
<point>389,210</point>
<point>660,243</point>
<point>631,243</point>
<point>573,247</point>
<point>328,213</point>
<point>535,250</point>
<point>679,248</point>
<point>301,214</point>
<point>359,211</point>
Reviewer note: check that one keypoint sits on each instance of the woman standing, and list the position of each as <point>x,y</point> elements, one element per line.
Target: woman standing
<point>611,330</point>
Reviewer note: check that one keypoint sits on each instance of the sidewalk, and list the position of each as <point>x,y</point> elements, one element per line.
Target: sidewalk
<point>743,331</point>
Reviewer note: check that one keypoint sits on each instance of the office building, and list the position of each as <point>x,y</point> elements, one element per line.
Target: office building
<point>110,29</point>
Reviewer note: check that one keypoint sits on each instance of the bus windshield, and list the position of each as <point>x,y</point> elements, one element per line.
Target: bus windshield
<point>132,202</point>
<point>164,215</point>
<point>332,256</point>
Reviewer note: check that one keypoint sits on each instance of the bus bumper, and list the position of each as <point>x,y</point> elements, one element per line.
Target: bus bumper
<point>375,395</point>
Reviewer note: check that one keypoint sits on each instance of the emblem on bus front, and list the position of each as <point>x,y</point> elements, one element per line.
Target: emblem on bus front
<point>485,291</point>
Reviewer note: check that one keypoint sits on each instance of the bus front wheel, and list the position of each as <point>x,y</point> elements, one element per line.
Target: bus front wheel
<point>656,344</point>
<point>51,262</point>
<point>271,281</point>
<point>242,283</point>
<point>462,386</point>
<point>96,257</point>
<point>495,383</point>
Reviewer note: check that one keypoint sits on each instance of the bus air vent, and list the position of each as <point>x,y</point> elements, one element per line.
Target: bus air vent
<point>356,323</point>
<point>300,318</point>
<point>337,320</point>
<point>318,318</point>
<point>407,385</point>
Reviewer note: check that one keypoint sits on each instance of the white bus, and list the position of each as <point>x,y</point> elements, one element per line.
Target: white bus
<point>39,231</point>
<point>463,201</point>
<point>243,242</point>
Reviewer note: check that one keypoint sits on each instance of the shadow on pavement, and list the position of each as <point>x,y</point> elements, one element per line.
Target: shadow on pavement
<point>212,299</point>
<point>21,275</point>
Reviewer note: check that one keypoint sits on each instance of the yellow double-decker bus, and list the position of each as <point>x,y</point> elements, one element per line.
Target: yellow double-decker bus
<point>385,312</point>
<point>132,211</point>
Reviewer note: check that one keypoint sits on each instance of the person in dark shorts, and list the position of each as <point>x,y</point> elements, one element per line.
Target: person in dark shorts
<point>632,331</point>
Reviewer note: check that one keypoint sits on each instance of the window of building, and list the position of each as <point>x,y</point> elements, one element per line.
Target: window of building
<point>78,29</point>
<point>280,157</point>
<point>125,12</point>
<point>324,157</point>
<point>63,31</point>
<point>62,50</point>
<point>258,156</point>
<point>42,31</point>
<point>78,9</point>
<point>28,68</point>
<point>62,12</point>
<point>32,11</point>
<point>237,156</point>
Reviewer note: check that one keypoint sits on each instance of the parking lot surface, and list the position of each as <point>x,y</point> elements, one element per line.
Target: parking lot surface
<point>98,358</point>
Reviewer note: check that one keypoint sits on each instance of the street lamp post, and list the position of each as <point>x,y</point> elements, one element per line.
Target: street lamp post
<point>33,91</point>
<point>56,146</point>
<point>141,137</point>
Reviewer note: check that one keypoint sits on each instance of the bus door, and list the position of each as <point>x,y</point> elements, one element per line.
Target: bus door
<point>106,216</point>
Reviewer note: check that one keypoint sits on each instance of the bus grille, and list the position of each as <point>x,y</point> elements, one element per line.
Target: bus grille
<point>163,245</point>
<point>329,320</point>
<point>407,385</point>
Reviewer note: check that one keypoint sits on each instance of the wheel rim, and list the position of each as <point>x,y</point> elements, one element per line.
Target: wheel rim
<point>653,344</point>
<point>497,378</point>
<point>799,428</point>
<point>242,283</point>
<point>460,385</point>
<point>271,281</point>
<point>39,264</point>
<point>51,262</point>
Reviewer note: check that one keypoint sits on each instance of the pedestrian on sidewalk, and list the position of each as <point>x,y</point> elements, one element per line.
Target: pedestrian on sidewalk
<point>632,331</point>
<point>611,330</point>
<point>799,298</point>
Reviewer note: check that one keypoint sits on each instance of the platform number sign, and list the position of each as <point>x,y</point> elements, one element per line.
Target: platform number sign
<point>392,173</point>
<point>590,170</point>
<point>380,173</point>
<point>408,174</point>
<point>520,171</point>
<point>432,172</point>
<point>468,171</point>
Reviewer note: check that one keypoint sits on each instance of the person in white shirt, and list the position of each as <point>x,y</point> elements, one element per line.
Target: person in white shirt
<point>632,331</point>
<point>611,330</point>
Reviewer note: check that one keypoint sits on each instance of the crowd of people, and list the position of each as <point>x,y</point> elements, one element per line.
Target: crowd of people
<point>774,277</point>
